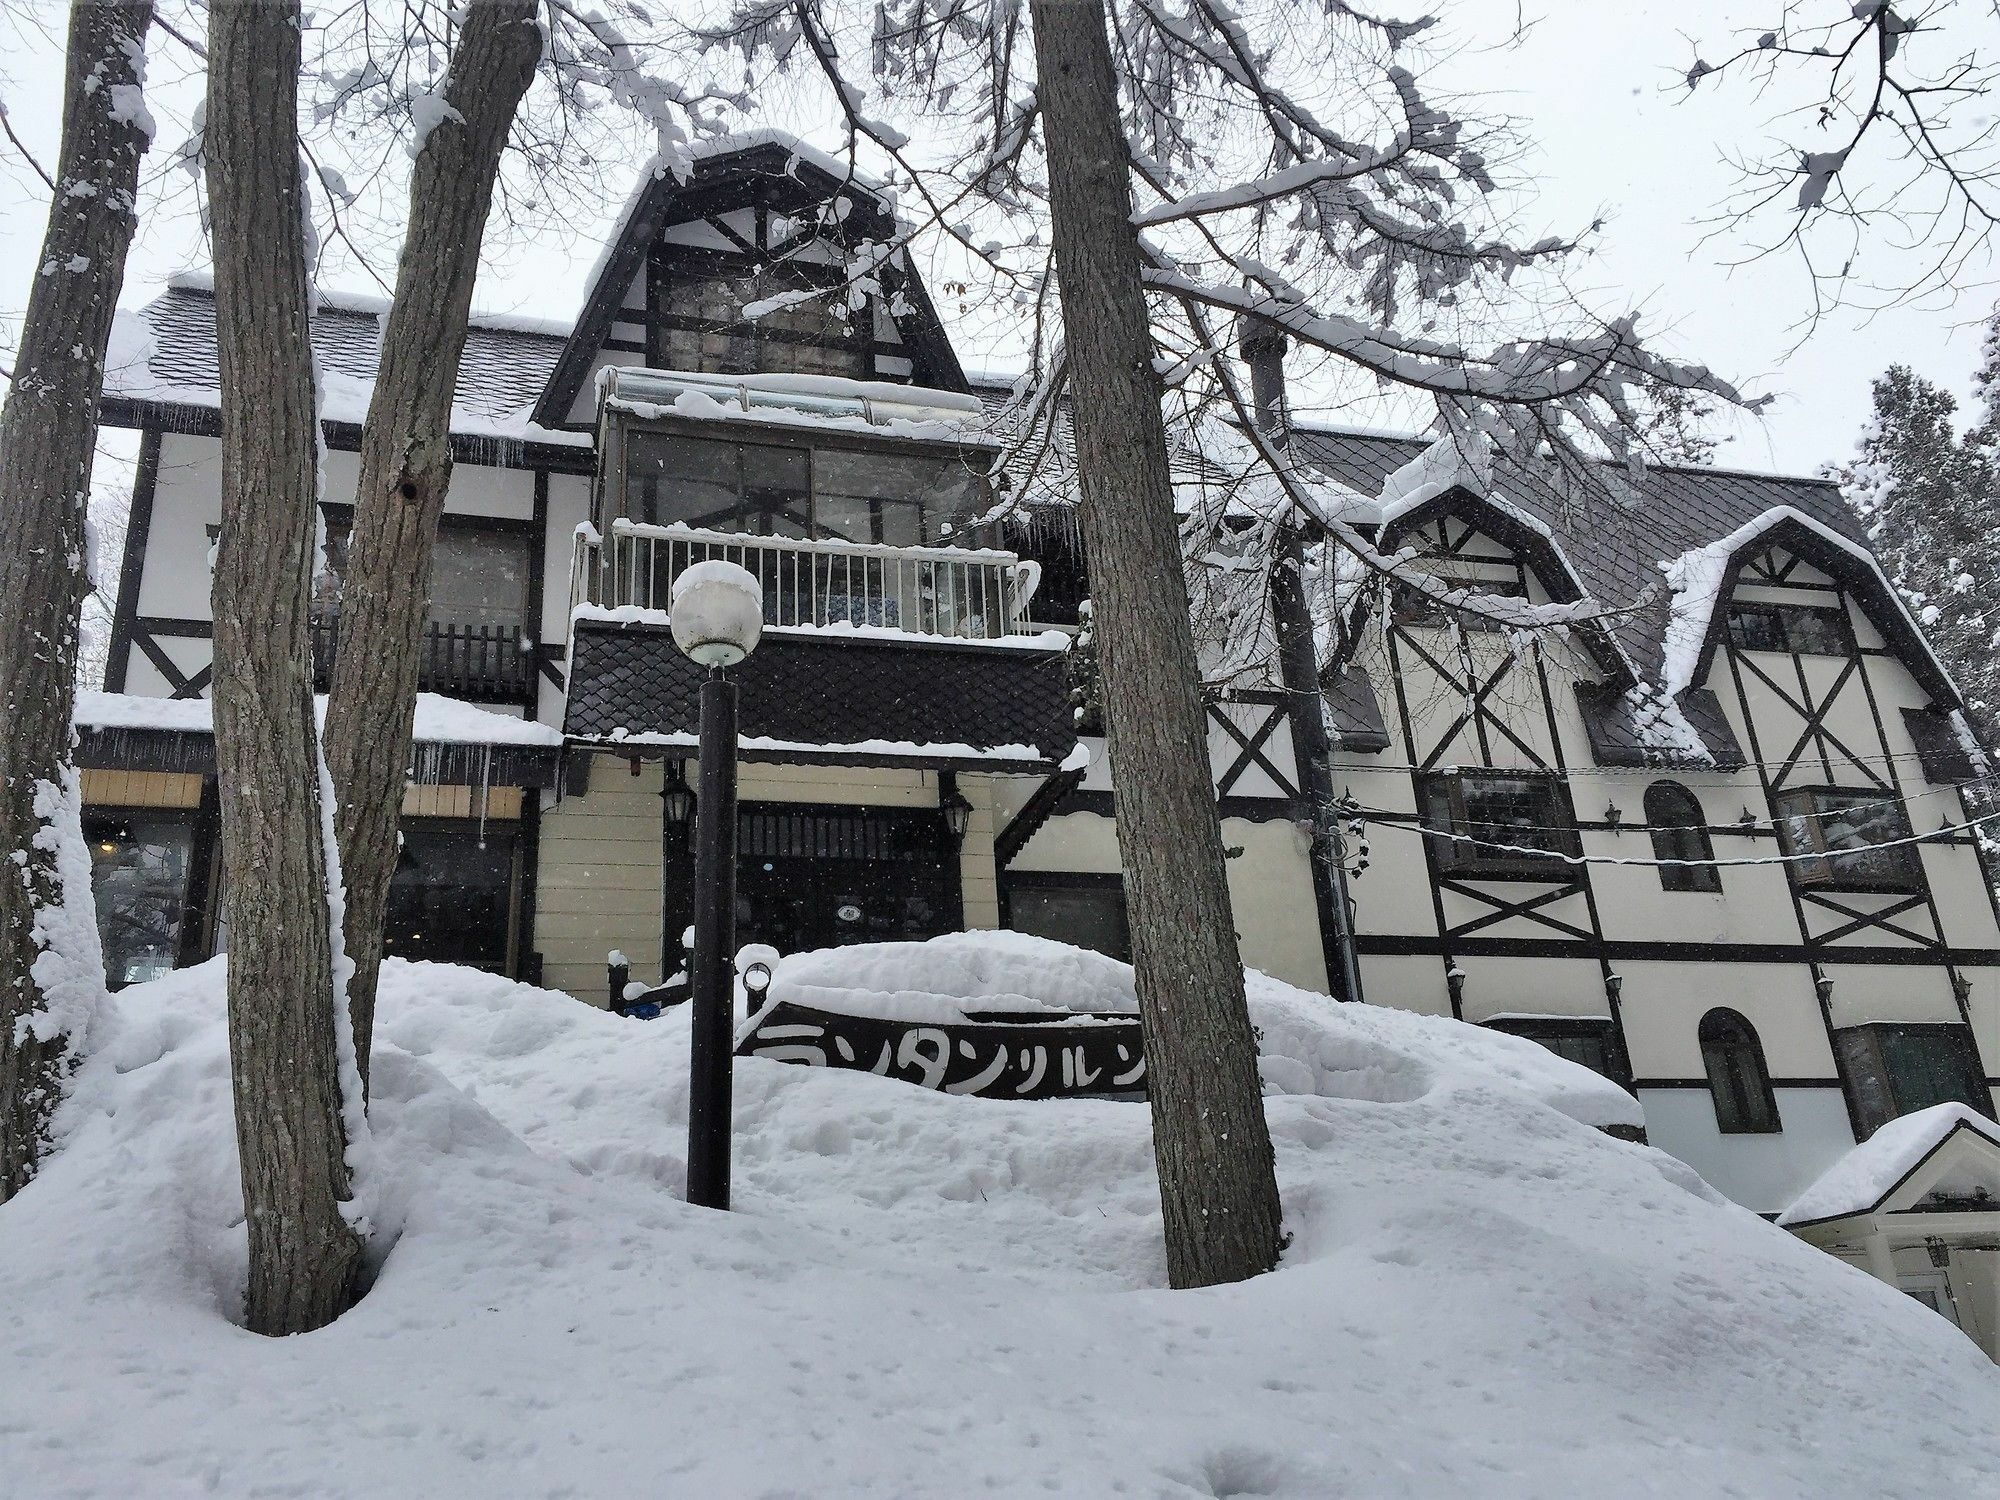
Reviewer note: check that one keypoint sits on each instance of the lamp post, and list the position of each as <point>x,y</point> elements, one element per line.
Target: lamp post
<point>716,612</point>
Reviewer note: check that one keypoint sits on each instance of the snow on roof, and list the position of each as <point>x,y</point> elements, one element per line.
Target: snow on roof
<point>375,305</point>
<point>1860,1181</point>
<point>166,352</point>
<point>439,720</point>
<point>916,413</point>
<point>1696,577</point>
<point>678,161</point>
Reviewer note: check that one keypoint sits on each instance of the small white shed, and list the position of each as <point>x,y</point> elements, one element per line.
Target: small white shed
<point>1918,1205</point>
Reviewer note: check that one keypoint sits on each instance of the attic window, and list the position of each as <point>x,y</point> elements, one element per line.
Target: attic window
<point>703,328</point>
<point>1411,606</point>
<point>1795,629</point>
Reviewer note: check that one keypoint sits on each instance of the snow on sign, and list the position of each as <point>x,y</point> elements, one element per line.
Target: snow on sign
<point>1008,1056</point>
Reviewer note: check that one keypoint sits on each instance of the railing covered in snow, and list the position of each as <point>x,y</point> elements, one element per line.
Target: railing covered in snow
<point>958,593</point>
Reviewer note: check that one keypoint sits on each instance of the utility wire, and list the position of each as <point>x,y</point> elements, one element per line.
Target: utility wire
<point>1554,855</point>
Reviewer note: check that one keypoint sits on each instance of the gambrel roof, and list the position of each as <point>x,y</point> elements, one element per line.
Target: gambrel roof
<point>520,379</point>
<point>1618,540</point>
<point>763,168</point>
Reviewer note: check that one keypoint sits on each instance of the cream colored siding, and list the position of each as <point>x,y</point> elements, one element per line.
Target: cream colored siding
<point>1271,895</point>
<point>1890,992</point>
<point>978,876</point>
<point>1663,1003</point>
<point>141,789</point>
<point>599,880</point>
<point>1407,982</point>
<point>1080,842</point>
<point>1529,986</point>
<point>501,803</point>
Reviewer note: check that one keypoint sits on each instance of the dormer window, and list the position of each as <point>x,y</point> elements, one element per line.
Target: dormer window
<point>1795,629</point>
<point>1412,606</point>
<point>703,328</point>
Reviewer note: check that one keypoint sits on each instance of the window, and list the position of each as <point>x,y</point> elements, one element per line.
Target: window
<point>834,494</point>
<point>824,877</point>
<point>1738,1081</point>
<point>1588,1041</point>
<point>1410,606</point>
<point>1801,629</point>
<point>479,576</point>
<point>451,899</point>
<point>1087,910</point>
<point>1504,826</point>
<point>140,866</point>
<point>1849,839</point>
<point>706,330</point>
<point>1892,1070</point>
<point>1680,833</point>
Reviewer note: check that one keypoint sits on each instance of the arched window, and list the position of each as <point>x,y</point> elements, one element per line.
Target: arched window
<point>1679,832</point>
<point>1737,1078</point>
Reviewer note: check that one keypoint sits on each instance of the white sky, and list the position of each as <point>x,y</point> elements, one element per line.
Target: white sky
<point>1594,89</point>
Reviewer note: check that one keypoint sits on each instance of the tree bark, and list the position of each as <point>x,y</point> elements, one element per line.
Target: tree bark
<point>48,432</point>
<point>406,470</point>
<point>1218,1189</point>
<point>284,999</point>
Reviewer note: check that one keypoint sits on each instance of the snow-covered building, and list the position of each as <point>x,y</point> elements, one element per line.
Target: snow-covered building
<point>1712,843</point>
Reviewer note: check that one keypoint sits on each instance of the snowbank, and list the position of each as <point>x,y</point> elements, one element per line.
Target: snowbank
<point>923,1294</point>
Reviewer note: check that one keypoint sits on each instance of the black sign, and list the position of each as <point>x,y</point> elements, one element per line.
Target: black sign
<point>1086,1054</point>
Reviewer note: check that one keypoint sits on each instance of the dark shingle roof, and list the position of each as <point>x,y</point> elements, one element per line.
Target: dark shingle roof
<point>1617,538</point>
<point>166,352</point>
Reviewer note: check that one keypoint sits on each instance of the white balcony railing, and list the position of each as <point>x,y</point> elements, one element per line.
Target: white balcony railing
<point>951,592</point>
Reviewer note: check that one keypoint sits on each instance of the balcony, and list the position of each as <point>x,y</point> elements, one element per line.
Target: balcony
<point>477,663</point>
<point>872,654</point>
<point>941,592</point>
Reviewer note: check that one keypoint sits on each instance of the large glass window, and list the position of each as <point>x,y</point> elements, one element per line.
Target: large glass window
<point>479,576</point>
<point>831,494</point>
<point>1583,1040</point>
<point>1892,1070</point>
<point>1850,840</point>
<point>1087,910</point>
<point>140,867</point>
<point>1499,825</point>
<point>451,899</point>
<point>1680,835</point>
<point>1738,1080</point>
<point>1800,629</point>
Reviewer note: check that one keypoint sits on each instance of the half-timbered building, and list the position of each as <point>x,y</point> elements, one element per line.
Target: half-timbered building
<point>1714,842</point>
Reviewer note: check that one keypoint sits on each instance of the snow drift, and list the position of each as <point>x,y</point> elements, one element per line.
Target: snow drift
<point>925,1294</point>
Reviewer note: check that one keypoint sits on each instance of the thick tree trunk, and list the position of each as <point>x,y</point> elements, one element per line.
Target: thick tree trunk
<point>47,434</point>
<point>406,468</point>
<point>1218,1190</point>
<point>284,1000</point>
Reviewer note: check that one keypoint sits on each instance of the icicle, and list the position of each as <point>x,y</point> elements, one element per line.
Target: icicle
<point>485,789</point>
